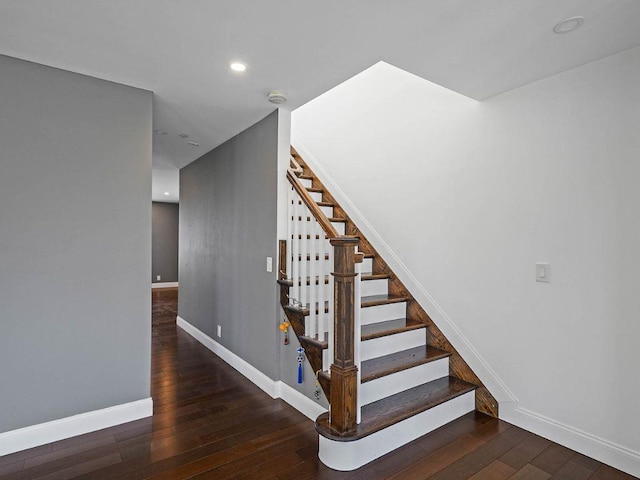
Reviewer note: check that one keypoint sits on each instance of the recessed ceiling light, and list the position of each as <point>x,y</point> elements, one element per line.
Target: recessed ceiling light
<point>166,193</point>
<point>160,132</point>
<point>237,66</point>
<point>193,144</point>
<point>568,25</point>
<point>183,135</point>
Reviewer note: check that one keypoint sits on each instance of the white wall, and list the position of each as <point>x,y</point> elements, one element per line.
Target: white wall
<point>465,197</point>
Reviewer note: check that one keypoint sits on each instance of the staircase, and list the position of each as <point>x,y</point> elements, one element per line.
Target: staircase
<point>395,380</point>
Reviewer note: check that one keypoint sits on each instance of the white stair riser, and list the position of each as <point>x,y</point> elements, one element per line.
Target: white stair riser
<point>306,183</point>
<point>404,380</point>
<point>378,347</point>
<point>340,227</point>
<point>374,287</point>
<point>367,265</point>
<point>326,363</point>
<point>382,313</point>
<point>316,196</point>
<point>328,211</point>
<point>348,456</point>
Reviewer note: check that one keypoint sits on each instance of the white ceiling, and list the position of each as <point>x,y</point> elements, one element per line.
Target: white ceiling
<point>180,50</point>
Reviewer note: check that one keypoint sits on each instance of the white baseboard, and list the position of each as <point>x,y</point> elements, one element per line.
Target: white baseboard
<point>275,389</point>
<point>164,285</point>
<point>242,366</point>
<point>43,433</point>
<point>300,402</point>
<point>586,443</point>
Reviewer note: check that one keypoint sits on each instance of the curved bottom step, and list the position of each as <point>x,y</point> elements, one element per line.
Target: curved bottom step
<point>349,455</point>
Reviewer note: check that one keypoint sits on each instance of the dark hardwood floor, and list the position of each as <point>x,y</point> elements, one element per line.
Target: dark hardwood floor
<point>211,423</point>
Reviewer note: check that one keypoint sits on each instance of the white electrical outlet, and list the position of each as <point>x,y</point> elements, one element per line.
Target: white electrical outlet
<point>543,272</point>
<point>269,264</point>
<point>219,332</point>
<point>158,277</point>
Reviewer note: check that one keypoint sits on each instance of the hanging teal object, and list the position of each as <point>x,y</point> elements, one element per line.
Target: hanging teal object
<point>300,362</point>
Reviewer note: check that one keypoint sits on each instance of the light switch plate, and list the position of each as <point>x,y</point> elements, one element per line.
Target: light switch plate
<point>543,272</point>
<point>269,264</point>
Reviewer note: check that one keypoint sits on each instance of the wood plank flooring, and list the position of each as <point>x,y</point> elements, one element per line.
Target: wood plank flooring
<point>211,423</point>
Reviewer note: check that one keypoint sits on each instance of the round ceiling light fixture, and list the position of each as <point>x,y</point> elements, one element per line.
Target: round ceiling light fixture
<point>193,144</point>
<point>183,135</point>
<point>237,66</point>
<point>160,132</point>
<point>276,97</point>
<point>568,25</point>
<point>166,193</point>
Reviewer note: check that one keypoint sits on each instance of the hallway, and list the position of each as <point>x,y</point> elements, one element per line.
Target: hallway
<point>211,423</point>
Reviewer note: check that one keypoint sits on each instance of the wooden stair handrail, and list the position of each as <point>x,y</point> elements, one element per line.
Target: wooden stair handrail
<point>321,218</point>
<point>295,166</point>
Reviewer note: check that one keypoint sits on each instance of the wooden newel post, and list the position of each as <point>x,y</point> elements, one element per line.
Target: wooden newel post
<point>343,369</point>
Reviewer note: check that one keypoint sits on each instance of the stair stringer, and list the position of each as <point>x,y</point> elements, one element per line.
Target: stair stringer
<point>485,402</point>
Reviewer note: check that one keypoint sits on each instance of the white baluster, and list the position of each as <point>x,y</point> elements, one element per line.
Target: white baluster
<point>322,297</point>
<point>357,327</point>
<point>304,270</point>
<point>295,289</point>
<point>289,254</point>
<point>314,307</point>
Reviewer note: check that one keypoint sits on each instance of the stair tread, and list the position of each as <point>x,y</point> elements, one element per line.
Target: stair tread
<point>331,219</point>
<point>315,190</point>
<point>393,409</point>
<point>305,176</point>
<point>324,344</point>
<point>320,204</point>
<point>372,300</point>
<point>395,362</point>
<point>374,276</point>
<point>389,327</point>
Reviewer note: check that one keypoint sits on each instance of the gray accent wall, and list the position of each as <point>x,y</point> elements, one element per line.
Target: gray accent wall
<point>164,242</point>
<point>75,244</point>
<point>228,220</point>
